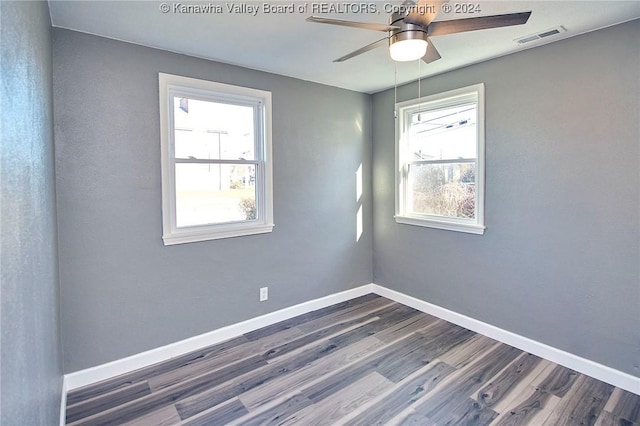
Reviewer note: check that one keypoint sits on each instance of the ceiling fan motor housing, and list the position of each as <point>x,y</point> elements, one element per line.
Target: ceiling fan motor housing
<point>406,31</point>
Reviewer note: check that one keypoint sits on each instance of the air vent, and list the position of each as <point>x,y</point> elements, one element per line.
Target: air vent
<point>539,36</point>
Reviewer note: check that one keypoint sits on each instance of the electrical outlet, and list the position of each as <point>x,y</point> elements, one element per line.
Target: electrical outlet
<point>264,293</point>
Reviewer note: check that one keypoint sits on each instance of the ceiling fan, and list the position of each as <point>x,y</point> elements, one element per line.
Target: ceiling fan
<point>411,25</point>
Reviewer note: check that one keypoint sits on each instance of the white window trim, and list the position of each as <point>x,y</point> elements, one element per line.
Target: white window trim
<point>476,226</point>
<point>170,84</point>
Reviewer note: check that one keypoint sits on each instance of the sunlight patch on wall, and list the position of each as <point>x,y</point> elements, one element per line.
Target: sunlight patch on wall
<point>359,223</point>
<point>359,183</point>
<point>359,124</point>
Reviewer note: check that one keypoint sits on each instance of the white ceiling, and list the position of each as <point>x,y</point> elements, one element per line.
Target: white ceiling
<point>283,43</point>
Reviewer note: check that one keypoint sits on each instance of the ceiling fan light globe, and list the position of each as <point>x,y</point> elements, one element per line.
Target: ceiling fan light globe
<point>408,50</point>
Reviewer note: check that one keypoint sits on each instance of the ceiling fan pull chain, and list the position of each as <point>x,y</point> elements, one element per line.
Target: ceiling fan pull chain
<point>395,89</point>
<point>419,90</point>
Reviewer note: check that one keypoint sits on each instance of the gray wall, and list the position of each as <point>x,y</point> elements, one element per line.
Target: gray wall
<point>123,292</point>
<point>31,356</point>
<point>559,262</point>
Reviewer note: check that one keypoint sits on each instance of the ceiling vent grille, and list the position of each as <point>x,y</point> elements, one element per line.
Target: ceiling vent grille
<point>539,36</point>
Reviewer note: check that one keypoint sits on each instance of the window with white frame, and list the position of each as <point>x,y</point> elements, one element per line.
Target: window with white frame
<point>440,161</point>
<point>216,160</point>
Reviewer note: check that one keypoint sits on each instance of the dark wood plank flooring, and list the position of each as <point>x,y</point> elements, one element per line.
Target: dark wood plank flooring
<point>367,361</point>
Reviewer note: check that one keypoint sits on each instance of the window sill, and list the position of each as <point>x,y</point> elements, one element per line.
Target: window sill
<point>470,228</point>
<point>196,235</point>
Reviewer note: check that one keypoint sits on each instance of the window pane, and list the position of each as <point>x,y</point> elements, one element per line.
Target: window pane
<point>214,193</point>
<point>447,189</point>
<point>443,134</point>
<point>213,130</point>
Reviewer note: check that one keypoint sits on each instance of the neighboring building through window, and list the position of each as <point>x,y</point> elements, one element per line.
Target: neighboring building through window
<point>440,161</point>
<point>216,160</point>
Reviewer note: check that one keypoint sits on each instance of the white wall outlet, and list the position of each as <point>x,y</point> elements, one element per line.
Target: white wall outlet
<point>264,293</point>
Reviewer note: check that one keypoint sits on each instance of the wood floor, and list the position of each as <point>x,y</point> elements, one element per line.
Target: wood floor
<point>367,361</point>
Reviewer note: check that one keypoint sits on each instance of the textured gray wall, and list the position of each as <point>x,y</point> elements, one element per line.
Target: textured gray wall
<point>31,357</point>
<point>123,292</point>
<point>560,259</point>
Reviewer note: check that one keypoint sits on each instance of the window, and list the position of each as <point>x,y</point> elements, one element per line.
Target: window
<point>440,161</point>
<point>216,160</point>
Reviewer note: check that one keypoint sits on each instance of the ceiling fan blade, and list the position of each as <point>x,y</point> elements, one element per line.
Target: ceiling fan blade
<point>432,54</point>
<point>366,48</point>
<point>424,12</point>
<point>354,24</point>
<point>479,23</point>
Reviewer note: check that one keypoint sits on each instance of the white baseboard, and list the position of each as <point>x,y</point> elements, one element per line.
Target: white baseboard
<point>144,359</point>
<point>582,365</point>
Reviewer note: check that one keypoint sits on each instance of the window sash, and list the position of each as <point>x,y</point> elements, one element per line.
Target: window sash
<point>260,195</point>
<point>409,185</point>
<point>221,98</point>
